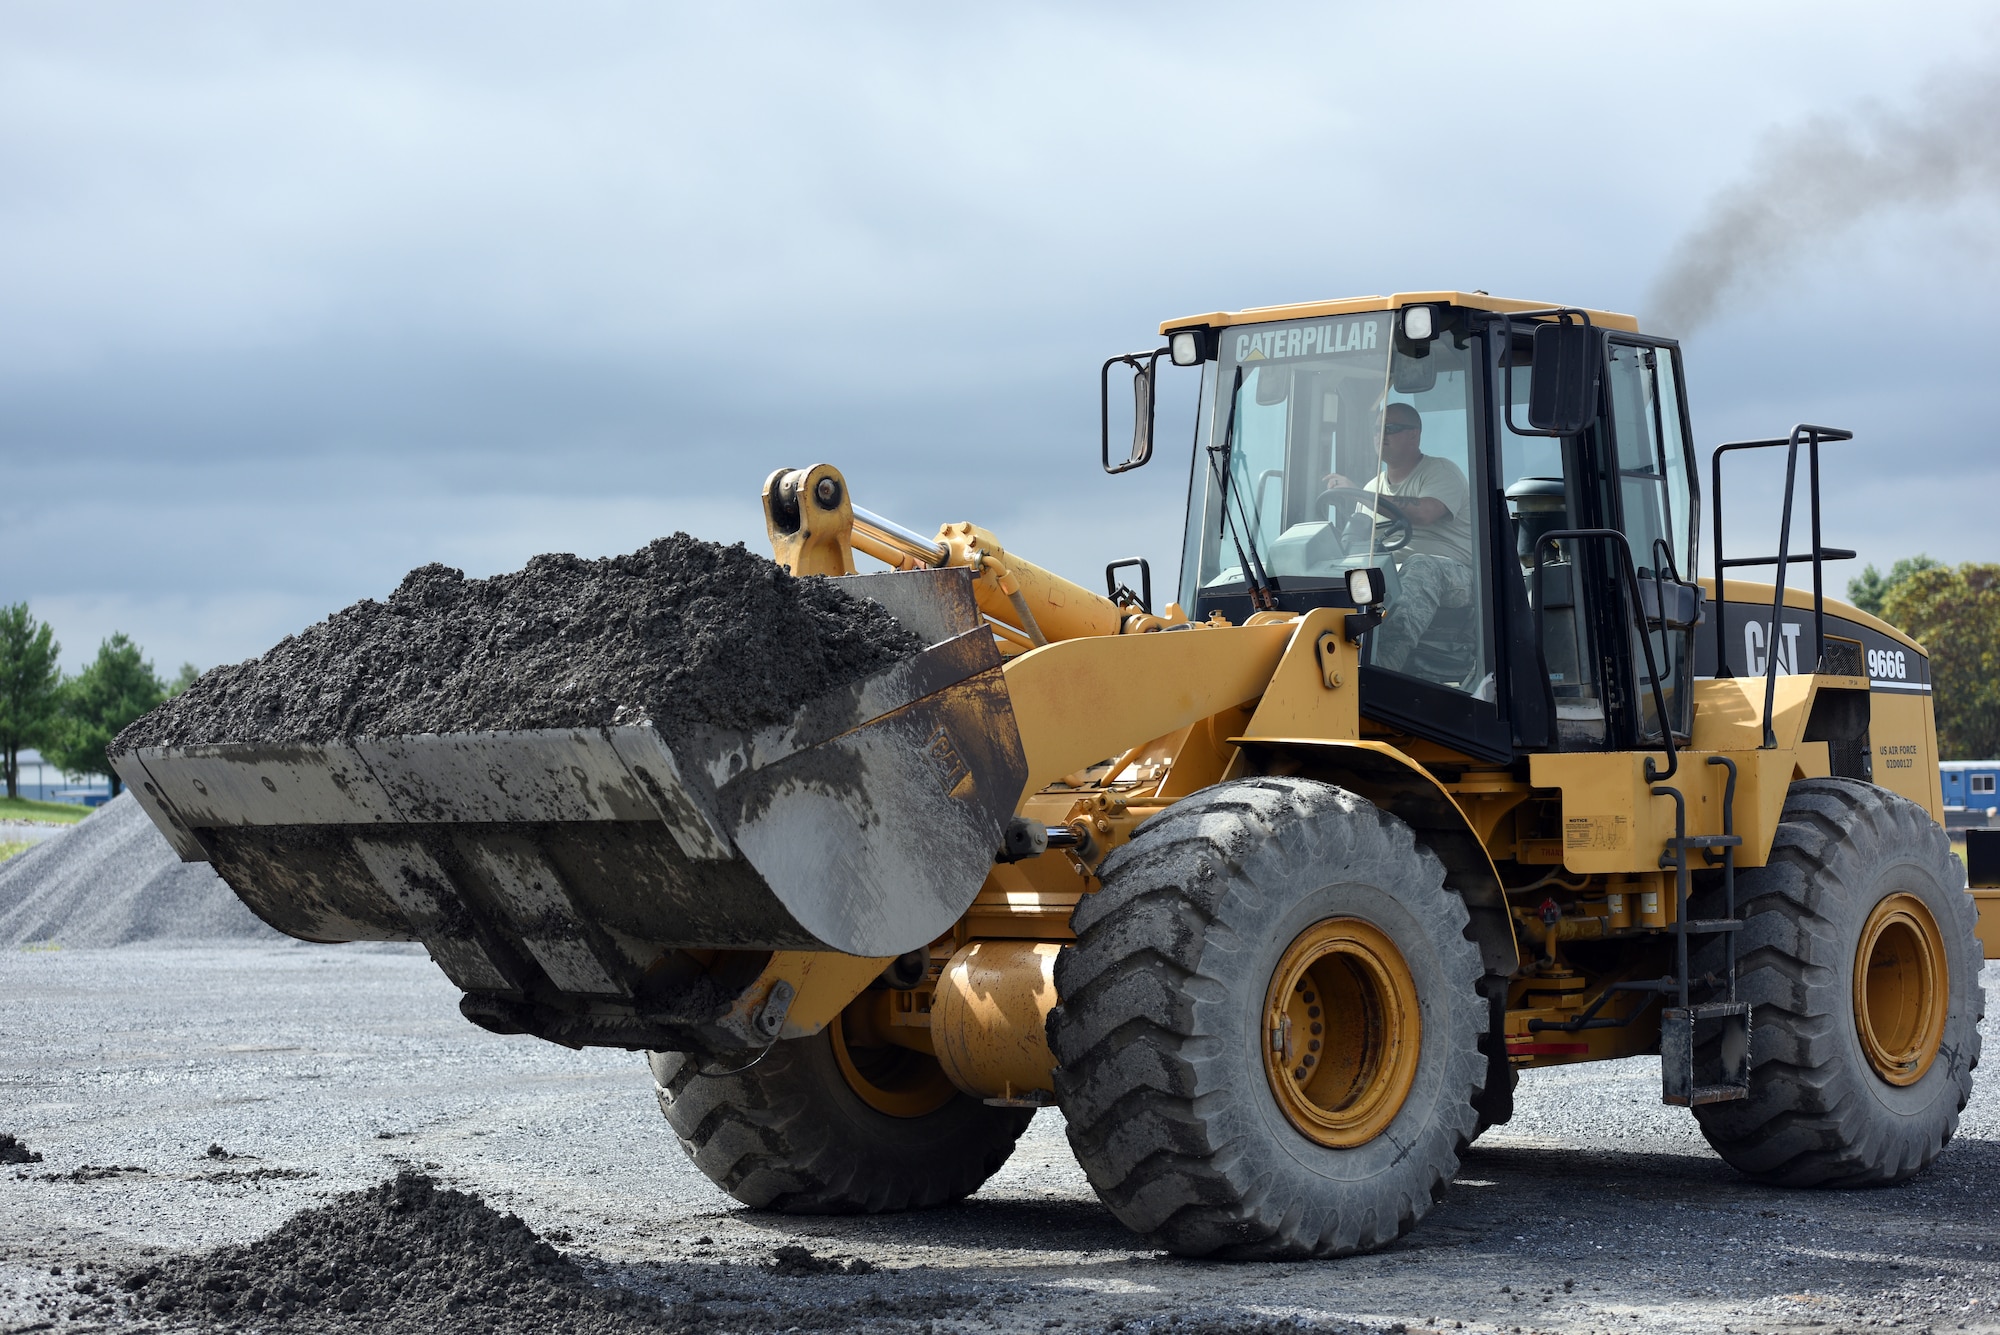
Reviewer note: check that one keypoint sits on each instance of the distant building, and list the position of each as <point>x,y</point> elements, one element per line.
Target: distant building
<point>41,781</point>
<point>1971,791</point>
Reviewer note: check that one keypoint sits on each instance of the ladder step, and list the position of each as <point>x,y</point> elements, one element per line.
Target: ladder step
<point>1715,1075</point>
<point>1701,1094</point>
<point>1699,926</point>
<point>1715,1010</point>
<point>1707,841</point>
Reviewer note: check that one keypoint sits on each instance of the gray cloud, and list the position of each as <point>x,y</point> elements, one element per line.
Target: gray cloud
<point>300,296</point>
<point>1824,177</point>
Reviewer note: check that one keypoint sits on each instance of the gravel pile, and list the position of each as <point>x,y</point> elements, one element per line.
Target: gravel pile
<point>793,1260</point>
<point>683,631</point>
<point>405,1252</point>
<point>113,880</point>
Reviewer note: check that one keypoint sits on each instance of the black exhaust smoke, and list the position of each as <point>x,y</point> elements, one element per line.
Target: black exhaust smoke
<point>1812,182</point>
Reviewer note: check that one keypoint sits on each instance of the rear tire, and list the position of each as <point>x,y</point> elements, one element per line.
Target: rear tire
<point>1847,1088</point>
<point>791,1133</point>
<point>1185,1128</point>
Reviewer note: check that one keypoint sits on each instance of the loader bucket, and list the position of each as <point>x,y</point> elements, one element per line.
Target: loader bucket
<point>572,877</point>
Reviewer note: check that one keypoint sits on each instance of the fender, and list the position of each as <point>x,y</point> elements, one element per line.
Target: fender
<point>1404,789</point>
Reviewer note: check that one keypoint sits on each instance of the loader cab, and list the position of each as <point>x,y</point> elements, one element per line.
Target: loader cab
<point>1538,567</point>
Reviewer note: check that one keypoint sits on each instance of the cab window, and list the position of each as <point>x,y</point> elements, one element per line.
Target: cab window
<point>1655,505</point>
<point>1431,533</point>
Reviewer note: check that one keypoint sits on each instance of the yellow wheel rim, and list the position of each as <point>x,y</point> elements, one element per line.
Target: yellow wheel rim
<point>1902,987</point>
<point>1341,1032</point>
<point>892,1080</point>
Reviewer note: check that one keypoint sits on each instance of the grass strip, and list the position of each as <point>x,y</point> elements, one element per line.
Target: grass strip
<point>64,813</point>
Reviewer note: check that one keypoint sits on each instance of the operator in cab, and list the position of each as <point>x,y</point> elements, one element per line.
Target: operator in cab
<point>1436,564</point>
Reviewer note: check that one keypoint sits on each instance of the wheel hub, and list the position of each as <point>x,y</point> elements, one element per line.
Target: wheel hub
<point>1902,986</point>
<point>1342,1032</point>
<point>894,1081</point>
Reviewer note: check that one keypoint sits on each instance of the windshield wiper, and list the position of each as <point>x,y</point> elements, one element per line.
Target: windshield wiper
<point>1248,561</point>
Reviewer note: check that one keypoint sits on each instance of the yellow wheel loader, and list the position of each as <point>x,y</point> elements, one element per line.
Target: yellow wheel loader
<point>1445,761</point>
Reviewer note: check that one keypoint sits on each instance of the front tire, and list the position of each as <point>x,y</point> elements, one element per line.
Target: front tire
<point>1228,924</point>
<point>816,1128</point>
<point>1859,959</point>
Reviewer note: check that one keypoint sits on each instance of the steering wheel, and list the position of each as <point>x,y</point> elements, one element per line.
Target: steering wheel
<point>1396,531</point>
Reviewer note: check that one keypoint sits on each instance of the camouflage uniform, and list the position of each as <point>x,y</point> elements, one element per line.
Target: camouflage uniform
<point>1428,583</point>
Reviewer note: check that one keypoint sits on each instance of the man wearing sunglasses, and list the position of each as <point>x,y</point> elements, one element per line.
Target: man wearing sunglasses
<point>1436,563</point>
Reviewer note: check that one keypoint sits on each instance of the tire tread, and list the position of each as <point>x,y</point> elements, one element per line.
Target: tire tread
<point>1127,1078</point>
<point>768,1137</point>
<point>1810,1120</point>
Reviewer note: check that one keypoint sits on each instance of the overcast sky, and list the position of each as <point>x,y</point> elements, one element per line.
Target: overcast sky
<point>296,297</point>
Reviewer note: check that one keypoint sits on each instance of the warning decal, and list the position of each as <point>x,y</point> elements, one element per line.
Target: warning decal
<point>1597,833</point>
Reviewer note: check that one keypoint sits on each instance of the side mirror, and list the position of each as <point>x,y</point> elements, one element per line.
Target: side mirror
<point>1144,365</point>
<point>1274,385</point>
<point>1569,358</point>
<point>1670,606</point>
<point>1414,372</point>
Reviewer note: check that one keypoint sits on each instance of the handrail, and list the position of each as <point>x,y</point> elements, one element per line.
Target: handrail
<point>1645,638</point>
<point>1812,437</point>
<point>1680,852</point>
<point>1728,860</point>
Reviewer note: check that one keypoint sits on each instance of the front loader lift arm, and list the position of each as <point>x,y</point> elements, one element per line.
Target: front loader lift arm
<point>1085,684</point>
<point>815,528</point>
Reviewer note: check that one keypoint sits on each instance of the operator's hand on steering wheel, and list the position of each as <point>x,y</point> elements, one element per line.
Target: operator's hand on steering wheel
<point>1393,531</point>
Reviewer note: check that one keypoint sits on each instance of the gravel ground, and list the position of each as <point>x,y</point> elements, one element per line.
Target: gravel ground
<point>316,1070</point>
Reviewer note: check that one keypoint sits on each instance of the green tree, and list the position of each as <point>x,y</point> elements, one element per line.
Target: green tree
<point>1871,589</point>
<point>183,679</point>
<point>29,675</point>
<point>1955,614</point>
<point>99,703</point>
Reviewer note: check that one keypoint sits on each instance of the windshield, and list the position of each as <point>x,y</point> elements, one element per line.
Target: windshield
<point>1294,435</point>
<point>1337,444</point>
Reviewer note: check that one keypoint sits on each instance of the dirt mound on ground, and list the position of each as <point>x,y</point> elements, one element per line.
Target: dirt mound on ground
<point>683,631</point>
<point>405,1253</point>
<point>113,880</point>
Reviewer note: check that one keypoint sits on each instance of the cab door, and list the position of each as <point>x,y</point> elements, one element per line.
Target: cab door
<point>1648,473</point>
<point>1604,662</point>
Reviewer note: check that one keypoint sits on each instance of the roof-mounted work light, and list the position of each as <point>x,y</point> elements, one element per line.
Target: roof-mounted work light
<point>1191,347</point>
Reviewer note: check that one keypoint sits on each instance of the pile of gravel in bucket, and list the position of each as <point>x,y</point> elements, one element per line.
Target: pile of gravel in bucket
<point>402,1255</point>
<point>683,632</point>
<point>113,880</point>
